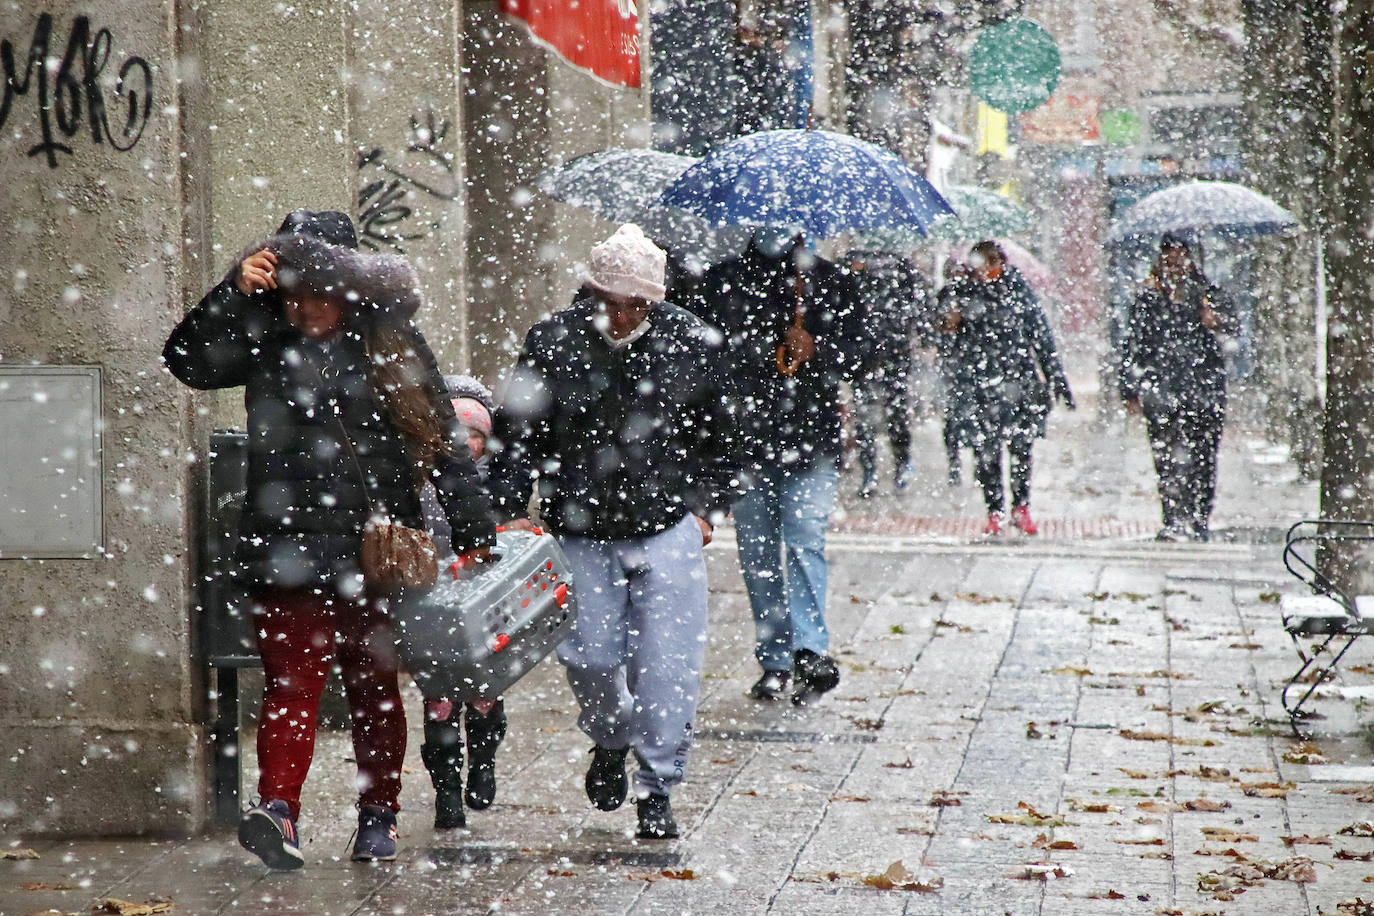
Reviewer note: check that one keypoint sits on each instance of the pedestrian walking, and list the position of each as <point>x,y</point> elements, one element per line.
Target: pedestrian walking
<point>1173,371</point>
<point>957,375</point>
<point>894,294</point>
<point>794,324</point>
<point>615,418</point>
<point>485,719</point>
<point>1012,372</point>
<point>346,415</point>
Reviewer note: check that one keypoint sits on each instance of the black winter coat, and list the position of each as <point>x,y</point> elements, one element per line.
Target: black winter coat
<point>620,443</point>
<point>302,519</point>
<point>1167,356</point>
<point>1002,358</point>
<point>782,421</point>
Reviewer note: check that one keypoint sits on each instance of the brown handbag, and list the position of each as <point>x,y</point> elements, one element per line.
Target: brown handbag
<point>394,556</point>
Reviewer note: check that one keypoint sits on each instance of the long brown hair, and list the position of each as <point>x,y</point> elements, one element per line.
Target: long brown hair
<point>398,378</point>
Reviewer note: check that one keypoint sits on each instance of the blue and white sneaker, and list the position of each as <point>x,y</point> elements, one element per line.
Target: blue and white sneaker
<point>376,835</point>
<point>268,832</point>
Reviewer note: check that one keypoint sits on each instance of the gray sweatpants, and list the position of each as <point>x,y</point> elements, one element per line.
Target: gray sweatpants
<point>634,657</point>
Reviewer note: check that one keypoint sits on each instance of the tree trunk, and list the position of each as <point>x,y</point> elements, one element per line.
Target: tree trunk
<point>1347,490</point>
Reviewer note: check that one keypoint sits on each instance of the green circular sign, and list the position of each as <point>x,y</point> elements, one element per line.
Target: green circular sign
<point>1014,65</point>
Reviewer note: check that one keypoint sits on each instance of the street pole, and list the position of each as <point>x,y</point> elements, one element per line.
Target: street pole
<point>1347,483</point>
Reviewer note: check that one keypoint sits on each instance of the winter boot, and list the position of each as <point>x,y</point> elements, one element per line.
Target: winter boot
<point>268,831</point>
<point>994,526</point>
<point>485,733</point>
<point>606,782</point>
<point>655,818</point>
<point>376,840</point>
<point>442,753</point>
<point>1021,518</point>
<point>816,674</point>
<point>772,686</point>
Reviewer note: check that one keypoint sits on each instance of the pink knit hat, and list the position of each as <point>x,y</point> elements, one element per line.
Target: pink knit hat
<point>628,264</point>
<point>473,414</point>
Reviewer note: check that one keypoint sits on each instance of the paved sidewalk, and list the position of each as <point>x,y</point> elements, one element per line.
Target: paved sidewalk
<point>1029,726</point>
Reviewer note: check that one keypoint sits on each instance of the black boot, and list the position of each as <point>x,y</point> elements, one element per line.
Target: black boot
<point>442,753</point>
<point>815,674</point>
<point>485,733</point>
<point>656,818</point>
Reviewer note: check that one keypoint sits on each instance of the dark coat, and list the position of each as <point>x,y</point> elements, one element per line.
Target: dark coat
<point>784,421</point>
<point>305,507</point>
<point>957,371</point>
<point>1167,356</point>
<point>1005,366</point>
<point>896,297</point>
<point>620,443</point>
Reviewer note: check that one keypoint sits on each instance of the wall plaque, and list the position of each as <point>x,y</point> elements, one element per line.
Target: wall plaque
<point>50,473</point>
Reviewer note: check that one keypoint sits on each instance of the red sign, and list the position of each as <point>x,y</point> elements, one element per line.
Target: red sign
<point>1067,119</point>
<point>598,36</point>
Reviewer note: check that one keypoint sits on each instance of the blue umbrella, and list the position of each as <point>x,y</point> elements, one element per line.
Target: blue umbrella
<point>1194,208</point>
<point>811,181</point>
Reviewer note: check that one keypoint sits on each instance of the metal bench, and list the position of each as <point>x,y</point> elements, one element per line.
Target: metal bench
<point>1327,613</point>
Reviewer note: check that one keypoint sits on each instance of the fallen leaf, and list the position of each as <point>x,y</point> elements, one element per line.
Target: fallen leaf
<point>904,765</point>
<point>1304,752</point>
<point>1040,871</point>
<point>1030,818</point>
<point>915,831</point>
<point>1157,841</point>
<point>850,798</point>
<point>1227,835</point>
<point>1350,855</point>
<point>945,799</point>
<point>1363,828</point>
<point>1044,842</point>
<point>1205,804</point>
<point>1362,793</point>
<point>1155,806</point>
<point>130,908</point>
<point>40,886</point>
<point>867,724</point>
<point>18,854</point>
<point>898,877</point>
<point>555,873</point>
<point>1305,840</point>
<point>1078,804</point>
<point>1106,895</point>
<point>1357,907</point>
<point>975,598</point>
<point>1136,774</point>
<point>1032,732</point>
<point>1071,670</point>
<point>669,874</point>
<point>1134,735</point>
<point>1270,597</point>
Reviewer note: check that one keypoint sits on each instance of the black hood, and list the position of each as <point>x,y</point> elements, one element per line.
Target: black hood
<point>330,226</point>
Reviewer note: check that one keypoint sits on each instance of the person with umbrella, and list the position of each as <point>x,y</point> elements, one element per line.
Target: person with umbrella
<point>793,323</point>
<point>1173,371</point>
<point>1003,335</point>
<point>894,293</point>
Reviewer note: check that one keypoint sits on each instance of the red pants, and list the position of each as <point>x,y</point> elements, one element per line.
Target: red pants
<point>299,635</point>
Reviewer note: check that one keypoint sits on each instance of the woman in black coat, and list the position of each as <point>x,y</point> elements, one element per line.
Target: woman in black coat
<point>1009,369</point>
<point>347,416</point>
<point>1173,371</point>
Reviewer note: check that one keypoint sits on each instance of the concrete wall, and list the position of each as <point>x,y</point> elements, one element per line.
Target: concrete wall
<point>337,105</point>
<point>97,716</point>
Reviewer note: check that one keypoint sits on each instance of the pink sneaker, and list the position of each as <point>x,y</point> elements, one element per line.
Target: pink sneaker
<point>1020,517</point>
<point>994,525</point>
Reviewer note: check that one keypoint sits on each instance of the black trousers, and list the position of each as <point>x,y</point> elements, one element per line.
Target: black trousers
<point>1184,440</point>
<point>886,392</point>
<point>987,455</point>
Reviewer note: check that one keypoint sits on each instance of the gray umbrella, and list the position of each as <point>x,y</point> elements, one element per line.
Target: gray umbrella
<point>624,185</point>
<point>1197,207</point>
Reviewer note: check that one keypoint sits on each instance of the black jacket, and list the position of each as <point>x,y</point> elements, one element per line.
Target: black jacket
<point>620,443</point>
<point>1002,358</point>
<point>1167,355</point>
<point>305,507</point>
<point>785,421</point>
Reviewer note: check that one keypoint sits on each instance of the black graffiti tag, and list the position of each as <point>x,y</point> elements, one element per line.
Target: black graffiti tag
<point>72,96</point>
<point>382,208</point>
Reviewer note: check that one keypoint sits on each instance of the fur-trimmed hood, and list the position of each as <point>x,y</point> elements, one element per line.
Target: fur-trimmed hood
<point>368,287</point>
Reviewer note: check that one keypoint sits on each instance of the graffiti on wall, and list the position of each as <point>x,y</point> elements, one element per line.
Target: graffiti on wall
<point>71,95</point>
<point>395,186</point>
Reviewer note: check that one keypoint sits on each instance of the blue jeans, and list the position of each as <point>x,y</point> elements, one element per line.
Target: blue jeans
<point>780,522</point>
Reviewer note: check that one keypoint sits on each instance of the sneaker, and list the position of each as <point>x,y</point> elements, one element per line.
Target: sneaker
<point>905,475</point>
<point>655,818</point>
<point>772,686</point>
<point>1021,518</point>
<point>1171,534</point>
<point>606,783</point>
<point>1199,533</point>
<point>376,840</point>
<point>816,674</point>
<point>268,832</point>
<point>994,525</point>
